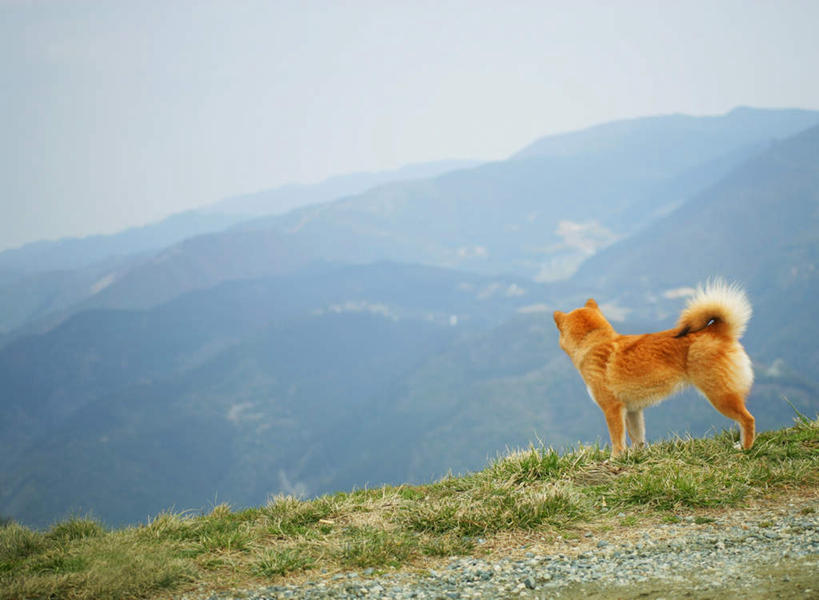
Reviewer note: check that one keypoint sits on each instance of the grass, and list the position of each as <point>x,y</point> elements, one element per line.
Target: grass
<point>534,490</point>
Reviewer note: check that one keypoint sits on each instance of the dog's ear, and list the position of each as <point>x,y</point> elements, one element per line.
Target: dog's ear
<point>590,303</point>
<point>558,318</point>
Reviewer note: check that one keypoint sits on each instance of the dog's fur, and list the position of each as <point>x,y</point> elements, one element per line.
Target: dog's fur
<point>626,373</point>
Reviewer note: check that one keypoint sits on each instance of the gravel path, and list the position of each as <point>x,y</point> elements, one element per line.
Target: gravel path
<point>771,551</point>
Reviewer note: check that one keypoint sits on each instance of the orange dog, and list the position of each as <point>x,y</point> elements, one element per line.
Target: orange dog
<point>626,373</point>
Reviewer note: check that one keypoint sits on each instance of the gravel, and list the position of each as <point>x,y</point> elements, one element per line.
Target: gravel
<point>749,550</point>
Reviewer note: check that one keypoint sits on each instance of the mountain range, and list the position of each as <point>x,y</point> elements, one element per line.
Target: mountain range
<point>43,281</point>
<point>402,331</point>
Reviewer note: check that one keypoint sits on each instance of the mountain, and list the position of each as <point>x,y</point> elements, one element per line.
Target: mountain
<point>275,414</point>
<point>675,141</point>
<point>48,277</point>
<point>537,217</point>
<point>42,297</point>
<point>763,208</point>
<point>290,197</point>
<point>550,206</point>
<point>77,253</point>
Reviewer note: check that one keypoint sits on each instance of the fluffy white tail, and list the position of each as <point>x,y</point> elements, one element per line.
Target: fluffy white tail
<point>722,305</point>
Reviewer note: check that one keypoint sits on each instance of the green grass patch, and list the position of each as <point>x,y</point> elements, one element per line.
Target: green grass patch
<point>289,516</point>
<point>75,529</point>
<point>108,566</point>
<point>447,545</point>
<point>18,543</point>
<point>537,489</point>
<point>371,547</point>
<point>276,562</point>
<point>488,509</point>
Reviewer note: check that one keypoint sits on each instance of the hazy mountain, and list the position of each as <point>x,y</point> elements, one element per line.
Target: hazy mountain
<point>289,197</point>
<point>47,277</point>
<point>76,253</point>
<point>549,207</point>
<point>277,413</point>
<point>41,297</point>
<point>678,141</point>
<point>536,217</point>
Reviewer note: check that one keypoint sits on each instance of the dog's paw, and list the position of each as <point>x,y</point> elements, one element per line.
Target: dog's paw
<point>737,446</point>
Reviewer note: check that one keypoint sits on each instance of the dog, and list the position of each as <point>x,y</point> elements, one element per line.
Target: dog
<point>626,373</point>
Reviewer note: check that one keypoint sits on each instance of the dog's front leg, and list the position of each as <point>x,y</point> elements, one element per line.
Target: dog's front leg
<point>615,413</point>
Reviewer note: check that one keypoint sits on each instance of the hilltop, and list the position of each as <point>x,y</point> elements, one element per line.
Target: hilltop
<point>536,498</point>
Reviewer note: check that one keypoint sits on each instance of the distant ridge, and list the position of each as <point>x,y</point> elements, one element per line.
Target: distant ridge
<point>78,252</point>
<point>282,199</point>
<point>672,134</point>
<point>538,217</point>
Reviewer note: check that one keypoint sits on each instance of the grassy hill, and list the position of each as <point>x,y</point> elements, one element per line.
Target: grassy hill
<point>406,526</point>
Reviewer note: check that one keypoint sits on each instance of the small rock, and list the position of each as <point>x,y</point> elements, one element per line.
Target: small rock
<point>529,582</point>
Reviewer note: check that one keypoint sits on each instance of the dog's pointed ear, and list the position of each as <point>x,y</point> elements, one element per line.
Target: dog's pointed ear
<point>590,303</point>
<point>558,317</point>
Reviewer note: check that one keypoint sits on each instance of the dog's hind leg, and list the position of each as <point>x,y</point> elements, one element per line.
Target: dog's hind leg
<point>724,376</point>
<point>636,425</point>
<point>732,405</point>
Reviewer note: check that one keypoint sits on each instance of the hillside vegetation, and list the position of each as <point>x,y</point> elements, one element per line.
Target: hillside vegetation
<point>534,490</point>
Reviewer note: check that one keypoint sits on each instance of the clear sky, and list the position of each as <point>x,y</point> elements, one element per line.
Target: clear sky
<point>116,113</point>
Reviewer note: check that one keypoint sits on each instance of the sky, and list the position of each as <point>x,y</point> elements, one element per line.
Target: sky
<point>119,113</point>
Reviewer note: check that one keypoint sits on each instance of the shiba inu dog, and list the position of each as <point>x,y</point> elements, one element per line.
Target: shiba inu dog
<point>626,373</point>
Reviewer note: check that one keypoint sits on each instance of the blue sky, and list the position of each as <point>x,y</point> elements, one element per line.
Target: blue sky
<point>117,113</point>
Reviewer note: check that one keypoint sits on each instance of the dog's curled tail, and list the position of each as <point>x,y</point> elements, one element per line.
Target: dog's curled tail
<point>721,305</point>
